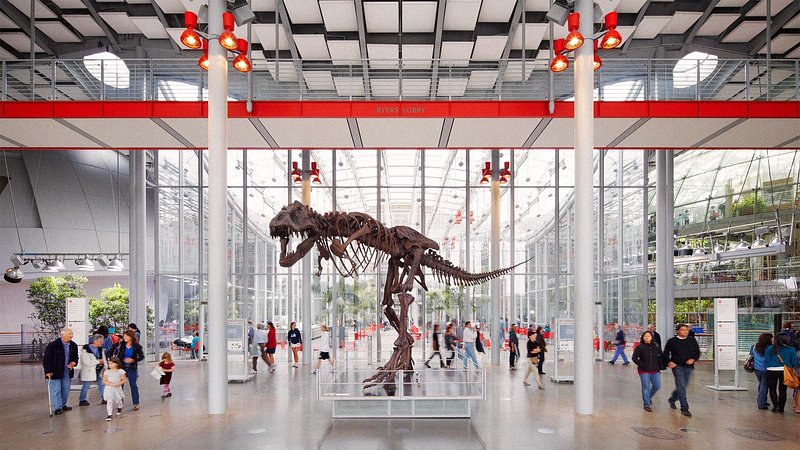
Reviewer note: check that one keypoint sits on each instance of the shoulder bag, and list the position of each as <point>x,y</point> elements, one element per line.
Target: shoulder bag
<point>789,376</point>
<point>749,362</point>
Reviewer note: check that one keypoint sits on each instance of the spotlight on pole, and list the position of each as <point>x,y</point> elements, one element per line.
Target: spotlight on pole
<point>558,12</point>
<point>243,13</point>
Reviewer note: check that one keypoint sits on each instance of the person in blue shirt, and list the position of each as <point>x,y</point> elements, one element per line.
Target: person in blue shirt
<point>760,367</point>
<point>195,345</point>
<point>779,355</point>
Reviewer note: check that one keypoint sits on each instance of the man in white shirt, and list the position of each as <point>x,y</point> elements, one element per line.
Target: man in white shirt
<point>469,345</point>
<point>261,339</point>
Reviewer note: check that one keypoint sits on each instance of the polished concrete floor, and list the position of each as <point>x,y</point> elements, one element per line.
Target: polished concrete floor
<point>280,410</point>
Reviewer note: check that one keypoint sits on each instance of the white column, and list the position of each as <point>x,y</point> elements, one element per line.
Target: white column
<point>141,248</point>
<point>217,213</point>
<point>495,301</point>
<point>584,270</point>
<point>665,278</point>
<point>306,274</point>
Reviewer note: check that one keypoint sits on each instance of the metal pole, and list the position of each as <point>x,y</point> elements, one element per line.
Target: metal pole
<point>306,274</point>
<point>422,224</point>
<point>33,49</point>
<point>769,46</point>
<point>494,302</point>
<point>646,235</point>
<point>601,271</point>
<point>620,247</point>
<point>290,317</point>
<point>669,234</point>
<point>140,248</point>
<point>584,270</point>
<point>335,294</point>
<point>133,209</point>
<point>200,252</point>
<point>217,212</point>
<point>378,288</point>
<point>512,241</point>
<point>467,235</point>
<point>665,278</point>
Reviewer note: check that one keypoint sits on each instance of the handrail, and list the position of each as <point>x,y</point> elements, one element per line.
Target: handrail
<point>181,80</point>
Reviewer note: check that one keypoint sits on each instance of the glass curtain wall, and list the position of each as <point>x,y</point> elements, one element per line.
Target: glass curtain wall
<point>721,197</point>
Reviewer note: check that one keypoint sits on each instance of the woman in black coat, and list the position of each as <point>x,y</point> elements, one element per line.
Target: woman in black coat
<point>130,353</point>
<point>647,356</point>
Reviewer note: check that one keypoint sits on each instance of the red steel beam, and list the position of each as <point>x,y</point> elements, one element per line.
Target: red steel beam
<point>405,109</point>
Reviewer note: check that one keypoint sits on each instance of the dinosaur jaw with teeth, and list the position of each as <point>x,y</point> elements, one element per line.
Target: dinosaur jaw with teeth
<point>289,257</point>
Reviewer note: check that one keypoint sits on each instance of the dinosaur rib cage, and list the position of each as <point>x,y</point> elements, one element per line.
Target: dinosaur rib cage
<point>360,254</point>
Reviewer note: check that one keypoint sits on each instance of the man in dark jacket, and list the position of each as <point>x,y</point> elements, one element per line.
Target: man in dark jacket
<point>656,337</point>
<point>60,357</point>
<point>681,352</point>
<point>513,348</point>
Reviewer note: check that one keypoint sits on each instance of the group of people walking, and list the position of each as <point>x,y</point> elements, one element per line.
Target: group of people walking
<point>770,356</point>
<point>109,364</point>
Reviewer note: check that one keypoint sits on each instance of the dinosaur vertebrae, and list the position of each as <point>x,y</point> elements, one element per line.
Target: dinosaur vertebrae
<point>448,273</point>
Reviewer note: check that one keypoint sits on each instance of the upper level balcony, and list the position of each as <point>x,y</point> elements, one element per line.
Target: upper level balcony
<point>115,79</point>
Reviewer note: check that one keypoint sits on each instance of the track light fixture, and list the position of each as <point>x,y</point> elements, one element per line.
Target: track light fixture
<point>598,63</point>
<point>241,63</point>
<point>297,177</point>
<point>52,263</point>
<point>574,39</point>
<point>505,174</point>
<point>13,275</point>
<point>560,62</point>
<point>502,176</point>
<point>558,12</point>
<point>115,265</point>
<point>203,61</point>
<point>227,39</point>
<point>612,38</point>
<point>190,38</point>
<point>314,175</point>
<point>486,173</point>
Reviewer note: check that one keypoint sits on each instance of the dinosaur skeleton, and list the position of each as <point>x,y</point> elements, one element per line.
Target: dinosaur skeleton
<point>354,242</point>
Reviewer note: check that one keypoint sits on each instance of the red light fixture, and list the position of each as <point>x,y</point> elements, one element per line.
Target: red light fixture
<point>612,38</point>
<point>297,178</point>
<point>241,63</point>
<point>314,174</point>
<point>574,38</point>
<point>203,61</point>
<point>190,38</point>
<point>505,174</point>
<point>486,173</point>
<point>598,63</point>
<point>227,39</point>
<point>560,63</point>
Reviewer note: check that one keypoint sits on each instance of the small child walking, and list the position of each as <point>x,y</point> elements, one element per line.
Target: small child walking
<point>167,366</point>
<point>114,378</point>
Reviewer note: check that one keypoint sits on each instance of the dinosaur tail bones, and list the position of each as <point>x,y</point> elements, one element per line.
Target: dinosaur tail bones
<point>448,273</point>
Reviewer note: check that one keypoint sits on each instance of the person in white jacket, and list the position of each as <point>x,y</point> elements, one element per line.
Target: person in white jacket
<point>91,362</point>
<point>324,349</point>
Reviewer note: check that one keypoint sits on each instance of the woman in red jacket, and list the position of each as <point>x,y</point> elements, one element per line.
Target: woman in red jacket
<point>269,349</point>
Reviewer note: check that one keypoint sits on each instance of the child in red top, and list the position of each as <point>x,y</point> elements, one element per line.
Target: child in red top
<point>167,366</point>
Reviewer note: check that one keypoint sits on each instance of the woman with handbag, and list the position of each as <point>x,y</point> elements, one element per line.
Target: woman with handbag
<point>647,357</point>
<point>533,360</point>
<point>759,364</point>
<point>781,357</point>
<point>130,354</point>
